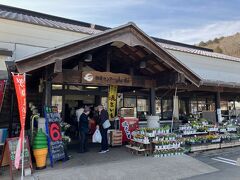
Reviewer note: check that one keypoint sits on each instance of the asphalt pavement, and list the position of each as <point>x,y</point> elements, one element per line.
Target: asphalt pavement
<point>119,164</point>
<point>224,160</point>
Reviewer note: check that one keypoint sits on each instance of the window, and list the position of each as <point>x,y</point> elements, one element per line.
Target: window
<point>231,105</point>
<point>119,100</point>
<point>237,105</point>
<point>182,107</point>
<point>57,101</point>
<point>201,105</point>
<point>130,102</point>
<point>158,107</point>
<point>211,105</point>
<point>224,105</point>
<point>167,108</point>
<point>142,105</point>
<point>194,106</point>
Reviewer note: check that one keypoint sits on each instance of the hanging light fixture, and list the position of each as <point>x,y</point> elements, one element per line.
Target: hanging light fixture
<point>91,87</point>
<point>88,58</point>
<point>142,64</point>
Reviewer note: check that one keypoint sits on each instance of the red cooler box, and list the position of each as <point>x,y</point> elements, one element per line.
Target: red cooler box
<point>127,126</point>
<point>128,122</point>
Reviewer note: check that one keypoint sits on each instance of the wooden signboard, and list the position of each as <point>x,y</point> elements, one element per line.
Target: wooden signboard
<point>53,130</point>
<point>102,79</point>
<point>106,78</point>
<point>9,151</point>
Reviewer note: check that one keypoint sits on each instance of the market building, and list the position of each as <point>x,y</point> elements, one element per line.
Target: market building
<point>70,62</point>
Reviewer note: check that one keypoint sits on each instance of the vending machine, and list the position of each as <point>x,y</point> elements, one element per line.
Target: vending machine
<point>128,123</point>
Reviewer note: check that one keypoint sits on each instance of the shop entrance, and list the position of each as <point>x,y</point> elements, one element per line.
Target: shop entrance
<point>73,103</point>
<point>70,98</point>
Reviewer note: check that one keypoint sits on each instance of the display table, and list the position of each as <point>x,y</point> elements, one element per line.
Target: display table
<point>203,147</point>
<point>230,144</point>
<point>208,146</point>
<point>140,148</point>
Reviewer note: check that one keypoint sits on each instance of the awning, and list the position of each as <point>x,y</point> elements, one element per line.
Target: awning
<point>212,71</point>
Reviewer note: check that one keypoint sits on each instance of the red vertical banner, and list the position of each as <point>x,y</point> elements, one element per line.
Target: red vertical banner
<point>2,90</point>
<point>20,88</point>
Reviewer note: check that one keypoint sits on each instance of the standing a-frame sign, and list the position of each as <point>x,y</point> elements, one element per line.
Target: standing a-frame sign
<point>9,151</point>
<point>53,130</point>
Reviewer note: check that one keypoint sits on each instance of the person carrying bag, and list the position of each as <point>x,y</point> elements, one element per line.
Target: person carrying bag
<point>104,124</point>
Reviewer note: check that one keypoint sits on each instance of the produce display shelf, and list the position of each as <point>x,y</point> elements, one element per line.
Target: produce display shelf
<point>169,148</point>
<point>203,147</point>
<point>197,133</point>
<point>139,141</point>
<point>135,148</point>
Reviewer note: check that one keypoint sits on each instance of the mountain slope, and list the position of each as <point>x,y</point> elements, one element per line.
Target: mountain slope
<point>229,45</point>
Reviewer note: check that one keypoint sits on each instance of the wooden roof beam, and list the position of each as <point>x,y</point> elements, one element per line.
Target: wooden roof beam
<point>130,34</point>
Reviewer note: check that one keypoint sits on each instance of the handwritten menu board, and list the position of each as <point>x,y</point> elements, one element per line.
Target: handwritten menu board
<point>53,130</point>
<point>9,151</point>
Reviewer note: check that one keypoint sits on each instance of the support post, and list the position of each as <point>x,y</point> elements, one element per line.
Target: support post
<point>48,88</point>
<point>152,101</point>
<point>80,66</point>
<point>207,105</point>
<point>218,107</point>
<point>63,105</point>
<point>162,108</point>
<point>108,65</point>
<point>48,93</point>
<point>131,71</point>
<point>187,103</point>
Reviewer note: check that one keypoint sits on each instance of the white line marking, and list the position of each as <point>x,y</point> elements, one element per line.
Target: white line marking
<point>224,161</point>
<point>230,160</point>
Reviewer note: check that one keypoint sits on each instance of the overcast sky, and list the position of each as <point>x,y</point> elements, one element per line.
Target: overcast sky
<point>189,21</point>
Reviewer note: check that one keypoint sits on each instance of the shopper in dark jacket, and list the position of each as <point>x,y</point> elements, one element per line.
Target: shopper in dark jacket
<point>83,127</point>
<point>103,116</point>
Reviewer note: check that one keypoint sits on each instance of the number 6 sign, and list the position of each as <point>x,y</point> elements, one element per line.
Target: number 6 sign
<point>54,131</point>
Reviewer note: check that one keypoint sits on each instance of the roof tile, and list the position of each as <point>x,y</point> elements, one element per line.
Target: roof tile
<point>199,52</point>
<point>38,20</point>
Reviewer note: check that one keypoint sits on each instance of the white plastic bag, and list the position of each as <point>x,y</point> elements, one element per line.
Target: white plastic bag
<point>97,137</point>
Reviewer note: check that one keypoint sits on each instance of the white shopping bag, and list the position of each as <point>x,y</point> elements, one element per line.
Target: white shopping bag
<point>97,137</point>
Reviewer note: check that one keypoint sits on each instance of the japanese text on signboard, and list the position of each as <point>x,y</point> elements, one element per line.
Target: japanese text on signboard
<point>106,78</point>
<point>112,101</point>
